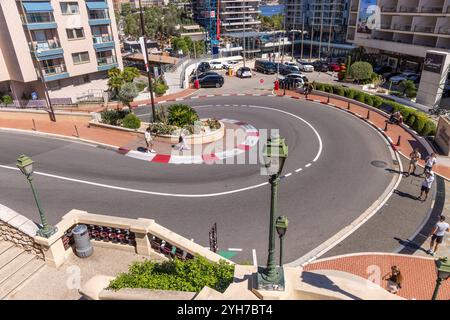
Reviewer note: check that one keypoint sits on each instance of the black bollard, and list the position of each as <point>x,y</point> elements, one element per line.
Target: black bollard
<point>76,130</point>
<point>328,99</point>
<point>348,105</point>
<point>34,125</point>
<point>368,114</point>
<point>386,126</point>
<point>399,140</point>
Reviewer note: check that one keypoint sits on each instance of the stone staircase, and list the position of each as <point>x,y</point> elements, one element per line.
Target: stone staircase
<point>16,266</point>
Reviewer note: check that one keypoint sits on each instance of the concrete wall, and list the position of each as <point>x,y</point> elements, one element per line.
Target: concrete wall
<point>442,138</point>
<point>432,84</point>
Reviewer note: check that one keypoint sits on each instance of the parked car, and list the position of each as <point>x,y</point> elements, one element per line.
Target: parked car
<point>405,76</point>
<point>212,80</point>
<point>335,67</point>
<point>285,69</point>
<point>293,65</point>
<point>202,74</point>
<point>291,83</point>
<point>232,62</point>
<point>203,67</point>
<point>305,66</point>
<point>266,67</point>
<point>321,66</point>
<point>244,72</point>
<point>297,76</point>
<point>389,75</point>
<point>216,65</point>
<point>382,69</point>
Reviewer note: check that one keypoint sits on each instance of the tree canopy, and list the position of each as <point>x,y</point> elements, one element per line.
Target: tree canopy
<point>274,22</point>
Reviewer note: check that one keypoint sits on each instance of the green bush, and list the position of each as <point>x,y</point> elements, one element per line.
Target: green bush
<point>162,128</point>
<point>377,101</point>
<point>131,121</point>
<point>419,124</point>
<point>319,86</point>
<point>213,124</point>
<point>140,86</point>
<point>181,115</point>
<point>127,93</point>
<point>113,117</point>
<point>410,120</point>
<point>394,105</point>
<point>406,112</point>
<point>160,88</point>
<point>360,96</point>
<point>7,99</point>
<point>350,93</point>
<point>339,91</point>
<point>361,70</point>
<point>368,100</point>
<point>429,129</point>
<point>328,88</point>
<point>191,275</point>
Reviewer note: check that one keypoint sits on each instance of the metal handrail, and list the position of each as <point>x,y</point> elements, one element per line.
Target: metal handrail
<point>102,38</point>
<point>44,45</point>
<point>106,60</point>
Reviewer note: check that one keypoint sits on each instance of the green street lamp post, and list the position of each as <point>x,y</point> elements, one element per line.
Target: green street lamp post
<point>25,164</point>
<point>275,153</point>
<point>281,226</point>
<point>443,273</point>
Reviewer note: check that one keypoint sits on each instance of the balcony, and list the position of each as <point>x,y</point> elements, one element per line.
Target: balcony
<point>106,63</point>
<point>402,27</point>
<point>408,9</point>
<point>388,9</point>
<point>102,42</point>
<point>38,21</point>
<point>444,30</point>
<point>45,50</point>
<point>385,26</point>
<point>430,9</point>
<point>52,73</point>
<point>99,17</point>
<point>424,29</point>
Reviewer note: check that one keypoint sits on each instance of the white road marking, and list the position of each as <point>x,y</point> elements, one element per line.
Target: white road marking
<point>288,174</point>
<point>255,260</point>
<point>308,165</point>
<point>298,170</point>
<point>180,195</point>
<point>235,249</point>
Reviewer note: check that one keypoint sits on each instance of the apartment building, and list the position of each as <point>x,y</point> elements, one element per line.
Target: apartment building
<point>324,23</point>
<point>400,32</point>
<point>66,45</point>
<point>234,15</point>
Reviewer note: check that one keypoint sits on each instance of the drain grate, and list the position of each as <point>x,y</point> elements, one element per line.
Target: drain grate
<point>379,164</point>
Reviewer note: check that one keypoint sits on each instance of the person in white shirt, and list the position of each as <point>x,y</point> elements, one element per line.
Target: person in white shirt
<point>437,234</point>
<point>415,157</point>
<point>149,140</point>
<point>426,185</point>
<point>430,161</point>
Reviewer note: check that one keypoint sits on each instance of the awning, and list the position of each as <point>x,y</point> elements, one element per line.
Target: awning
<point>97,5</point>
<point>39,6</point>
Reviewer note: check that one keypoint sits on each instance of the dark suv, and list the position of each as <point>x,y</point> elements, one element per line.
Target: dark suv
<point>265,67</point>
<point>211,80</point>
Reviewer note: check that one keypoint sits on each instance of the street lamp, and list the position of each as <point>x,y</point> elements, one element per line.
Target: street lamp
<point>443,273</point>
<point>25,164</point>
<point>281,226</point>
<point>275,153</point>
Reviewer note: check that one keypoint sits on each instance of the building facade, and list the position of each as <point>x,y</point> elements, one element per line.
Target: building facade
<point>400,32</point>
<point>67,46</point>
<point>324,23</point>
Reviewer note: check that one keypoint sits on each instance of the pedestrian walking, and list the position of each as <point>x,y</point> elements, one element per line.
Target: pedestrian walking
<point>182,145</point>
<point>149,140</point>
<point>426,185</point>
<point>415,157</point>
<point>394,279</point>
<point>437,235</point>
<point>430,161</point>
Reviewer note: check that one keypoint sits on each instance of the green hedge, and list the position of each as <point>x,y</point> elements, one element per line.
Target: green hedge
<point>131,121</point>
<point>417,120</point>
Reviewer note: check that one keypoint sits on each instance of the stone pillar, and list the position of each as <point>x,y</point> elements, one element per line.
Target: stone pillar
<point>442,137</point>
<point>54,252</point>
<point>434,77</point>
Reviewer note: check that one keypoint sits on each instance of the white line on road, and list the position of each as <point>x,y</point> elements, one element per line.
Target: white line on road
<point>142,191</point>
<point>255,260</point>
<point>308,165</point>
<point>288,174</point>
<point>235,249</point>
<point>298,170</point>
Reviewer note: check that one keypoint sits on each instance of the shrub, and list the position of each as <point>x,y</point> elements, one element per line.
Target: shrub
<point>127,93</point>
<point>162,128</point>
<point>160,88</point>
<point>368,100</point>
<point>191,275</point>
<point>394,105</point>
<point>7,99</point>
<point>182,115</point>
<point>328,88</point>
<point>140,86</point>
<point>338,90</point>
<point>350,93</point>
<point>161,115</point>
<point>131,121</point>
<point>406,112</point>
<point>113,117</point>
<point>319,86</point>
<point>359,96</point>
<point>213,124</point>
<point>419,124</point>
<point>411,119</point>
<point>377,101</point>
<point>429,129</point>
<point>361,70</point>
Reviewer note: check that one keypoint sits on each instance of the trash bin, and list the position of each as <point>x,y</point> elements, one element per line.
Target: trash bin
<point>230,71</point>
<point>83,246</point>
<point>276,85</point>
<point>196,84</point>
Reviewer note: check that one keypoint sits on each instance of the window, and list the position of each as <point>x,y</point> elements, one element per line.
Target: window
<point>77,33</point>
<point>69,8</point>
<point>80,57</point>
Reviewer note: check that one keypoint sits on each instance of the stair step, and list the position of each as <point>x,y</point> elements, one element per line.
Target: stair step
<point>15,265</point>
<point>8,255</point>
<point>5,245</point>
<point>20,276</point>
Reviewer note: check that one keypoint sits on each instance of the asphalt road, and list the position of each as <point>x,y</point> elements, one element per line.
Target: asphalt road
<point>319,200</point>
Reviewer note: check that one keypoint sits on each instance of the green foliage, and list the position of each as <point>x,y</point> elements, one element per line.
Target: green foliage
<point>191,275</point>
<point>127,93</point>
<point>187,45</point>
<point>182,115</point>
<point>213,124</point>
<point>419,124</point>
<point>118,78</point>
<point>161,115</point>
<point>350,93</point>
<point>361,70</point>
<point>7,99</point>
<point>274,22</point>
<point>130,73</point>
<point>338,90</point>
<point>368,100</point>
<point>162,128</point>
<point>113,117</point>
<point>140,86</point>
<point>131,121</point>
<point>411,119</point>
<point>360,96</point>
<point>319,86</point>
<point>377,101</point>
<point>131,25</point>
<point>429,129</point>
<point>160,88</point>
